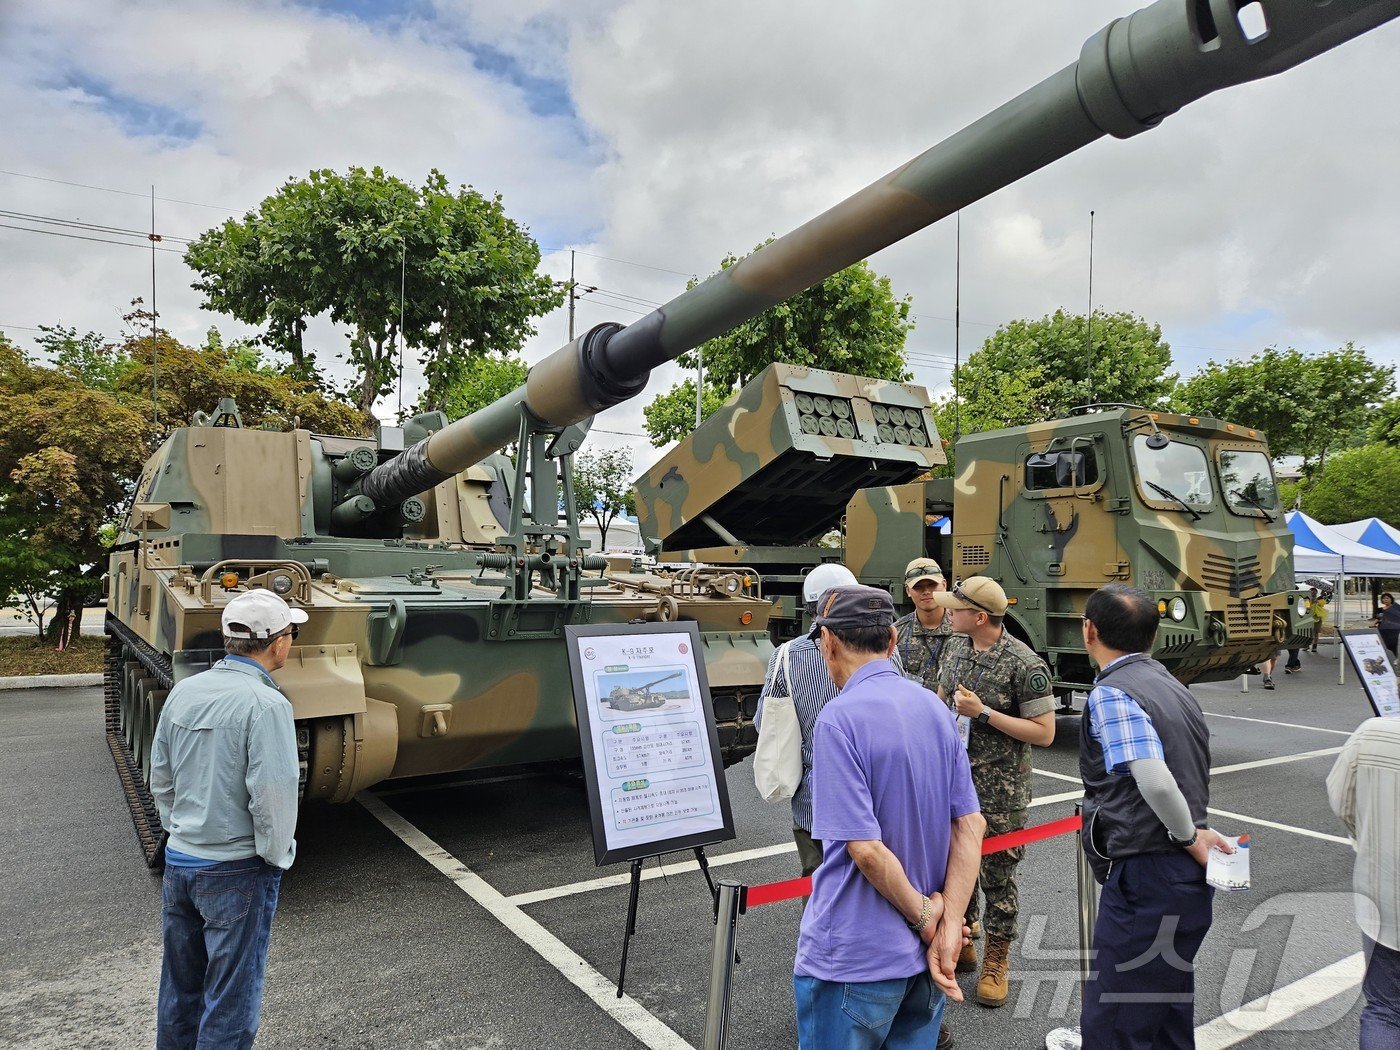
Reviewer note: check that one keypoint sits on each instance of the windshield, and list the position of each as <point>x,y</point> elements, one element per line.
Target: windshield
<point>1248,482</point>
<point>1178,472</point>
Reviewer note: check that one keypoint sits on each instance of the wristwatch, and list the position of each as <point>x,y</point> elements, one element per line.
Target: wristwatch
<point>1184,843</point>
<point>983,717</point>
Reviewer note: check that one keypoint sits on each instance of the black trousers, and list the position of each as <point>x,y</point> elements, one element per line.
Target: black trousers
<point>1154,912</point>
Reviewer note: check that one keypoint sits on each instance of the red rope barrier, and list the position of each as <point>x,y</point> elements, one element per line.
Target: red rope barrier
<point>773,892</point>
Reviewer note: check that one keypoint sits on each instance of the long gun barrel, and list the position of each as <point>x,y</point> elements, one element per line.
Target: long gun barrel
<point>1130,76</point>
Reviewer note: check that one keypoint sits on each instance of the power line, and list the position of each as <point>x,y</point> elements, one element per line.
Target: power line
<point>92,227</point>
<point>112,189</point>
<point>80,237</point>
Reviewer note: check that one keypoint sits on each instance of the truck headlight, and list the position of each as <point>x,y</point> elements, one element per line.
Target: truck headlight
<point>1302,606</point>
<point>1176,609</point>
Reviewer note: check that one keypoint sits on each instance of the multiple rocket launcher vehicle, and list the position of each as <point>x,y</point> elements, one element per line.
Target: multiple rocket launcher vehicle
<point>438,575</point>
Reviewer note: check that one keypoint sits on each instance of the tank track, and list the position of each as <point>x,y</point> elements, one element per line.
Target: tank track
<point>123,645</point>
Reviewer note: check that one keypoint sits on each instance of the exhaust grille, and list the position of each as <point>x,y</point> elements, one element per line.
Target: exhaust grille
<point>1234,576</point>
<point>1249,621</point>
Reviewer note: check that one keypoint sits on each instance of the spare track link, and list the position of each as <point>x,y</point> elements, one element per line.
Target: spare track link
<point>734,724</point>
<point>123,645</point>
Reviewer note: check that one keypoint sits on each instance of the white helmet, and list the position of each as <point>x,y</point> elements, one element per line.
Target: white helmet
<point>823,578</point>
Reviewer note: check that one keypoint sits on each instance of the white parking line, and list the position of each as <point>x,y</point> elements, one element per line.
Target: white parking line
<point>1270,1011</point>
<point>1245,819</point>
<point>1285,725</point>
<point>626,1011</point>
<point>607,881</point>
<point>1280,760</point>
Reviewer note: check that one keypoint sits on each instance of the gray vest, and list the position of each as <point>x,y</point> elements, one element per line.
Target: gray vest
<point>1118,821</point>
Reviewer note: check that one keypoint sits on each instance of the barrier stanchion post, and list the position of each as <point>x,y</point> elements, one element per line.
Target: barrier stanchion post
<point>1069,1038</point>
<point>722,965</point>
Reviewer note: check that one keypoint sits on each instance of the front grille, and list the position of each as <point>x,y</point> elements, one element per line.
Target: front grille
<point>1248,621</point>
<point>1234,576</point>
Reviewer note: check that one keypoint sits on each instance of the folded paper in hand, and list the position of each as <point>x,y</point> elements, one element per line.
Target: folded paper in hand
<point>1229,871</point>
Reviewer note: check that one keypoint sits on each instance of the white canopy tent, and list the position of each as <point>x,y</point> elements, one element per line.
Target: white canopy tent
<point>1322,550</point>
<point>1373,533</point>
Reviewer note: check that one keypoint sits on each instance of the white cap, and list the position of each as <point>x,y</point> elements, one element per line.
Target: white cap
<point>262,612</point>
<point>824,577</point>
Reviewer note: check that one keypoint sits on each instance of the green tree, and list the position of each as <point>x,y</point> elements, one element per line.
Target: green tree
<point>67,454</point>
<point>603,487</point>
<point>368,249</point>
<point>1358,483</point>
<point>850,322</point>
<point>1062,361</point>
<point>191,379</point>
<point>1385,423</point>
<point>1307,405</point>
<point>1008,399</point>
<point>481,380</point>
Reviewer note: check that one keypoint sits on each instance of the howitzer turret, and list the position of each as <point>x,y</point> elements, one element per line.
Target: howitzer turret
<point>438,576</point>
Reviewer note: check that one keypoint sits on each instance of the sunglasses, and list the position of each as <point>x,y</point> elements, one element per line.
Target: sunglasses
<point>958,592</point>
<point>293,632</point>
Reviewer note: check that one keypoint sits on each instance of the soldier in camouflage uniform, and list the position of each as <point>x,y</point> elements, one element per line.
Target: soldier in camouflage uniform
<point>924,632</point>
<point>1001,692</point>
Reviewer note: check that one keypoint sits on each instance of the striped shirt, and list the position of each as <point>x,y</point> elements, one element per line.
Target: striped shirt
<point>812,688</point>
<point>1122,727</point>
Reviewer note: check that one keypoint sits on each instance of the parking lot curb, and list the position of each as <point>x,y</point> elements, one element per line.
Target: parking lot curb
<point>50,681</point>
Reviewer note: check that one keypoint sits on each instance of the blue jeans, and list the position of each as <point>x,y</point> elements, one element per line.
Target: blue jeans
<point>901,1013</point>
<point>217,921</point>
<point>1380,1017</point>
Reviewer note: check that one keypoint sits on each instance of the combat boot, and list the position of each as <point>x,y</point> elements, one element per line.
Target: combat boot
<point>996,962</point>
<point>967,958</point>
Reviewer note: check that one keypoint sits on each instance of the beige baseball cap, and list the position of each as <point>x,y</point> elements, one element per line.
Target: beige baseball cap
<point>976,592</point>
<point>922,569</point>
<point>261,612</point>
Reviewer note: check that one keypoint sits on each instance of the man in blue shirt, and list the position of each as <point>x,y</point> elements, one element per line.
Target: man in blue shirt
<point>1144,757</point>
<point>224,775</point>
<point>894,806</point>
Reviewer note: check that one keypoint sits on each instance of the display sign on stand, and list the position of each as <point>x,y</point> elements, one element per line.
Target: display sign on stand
<point>1372,663</point>
<point>651,756</point>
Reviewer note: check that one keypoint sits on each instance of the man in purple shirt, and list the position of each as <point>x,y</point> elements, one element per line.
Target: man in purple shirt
<point>894,805</point>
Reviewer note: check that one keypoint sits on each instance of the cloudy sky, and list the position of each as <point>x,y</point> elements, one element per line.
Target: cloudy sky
<point>653,138</point>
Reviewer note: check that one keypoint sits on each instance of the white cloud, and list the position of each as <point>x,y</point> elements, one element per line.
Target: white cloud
<point>1260,215</point>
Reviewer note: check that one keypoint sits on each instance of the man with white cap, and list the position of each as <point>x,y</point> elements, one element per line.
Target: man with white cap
<point>796,669</point>
<point>225,778</point>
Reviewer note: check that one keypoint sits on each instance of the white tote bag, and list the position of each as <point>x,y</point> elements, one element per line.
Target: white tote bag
<point>777,762</point>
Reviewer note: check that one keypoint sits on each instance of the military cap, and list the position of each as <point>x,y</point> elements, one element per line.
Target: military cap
<point>976,592</point>
<point>922,569</point>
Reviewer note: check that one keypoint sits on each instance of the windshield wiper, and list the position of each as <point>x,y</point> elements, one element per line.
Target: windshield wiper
<point>1254,503</point>
<point>1195,516</point>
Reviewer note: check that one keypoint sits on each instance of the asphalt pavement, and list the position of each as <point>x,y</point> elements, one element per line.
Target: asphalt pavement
<point>463,916</point>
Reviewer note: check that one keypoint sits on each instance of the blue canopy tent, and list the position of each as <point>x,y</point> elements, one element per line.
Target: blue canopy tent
<point>1322,550</point>
<point>1373,533</point>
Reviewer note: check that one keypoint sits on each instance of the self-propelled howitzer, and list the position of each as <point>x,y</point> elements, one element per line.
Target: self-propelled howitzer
<point>438,576</point>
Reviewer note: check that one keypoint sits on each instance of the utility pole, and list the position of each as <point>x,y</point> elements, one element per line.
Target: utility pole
<point>155,357</point>
<point>1089,323</point>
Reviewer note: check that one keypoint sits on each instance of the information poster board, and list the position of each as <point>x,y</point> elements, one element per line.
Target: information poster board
<point>650,750</point>
<point>1373,667</point>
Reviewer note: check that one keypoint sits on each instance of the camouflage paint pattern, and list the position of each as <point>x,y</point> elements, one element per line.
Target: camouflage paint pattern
<point>411,662</point>
<point>1050,546</point>
<point>778,462</point>
<point>920,648</point>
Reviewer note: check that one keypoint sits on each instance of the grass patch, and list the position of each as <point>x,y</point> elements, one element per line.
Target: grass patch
<point>24,654</point>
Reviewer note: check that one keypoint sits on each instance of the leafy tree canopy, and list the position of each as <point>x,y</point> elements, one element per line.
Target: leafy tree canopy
<point>603,487</point>
<point>482,379</point>
<point>1044,368</point>
<point>366,249</point>
<point>1358,483</point>
<point>850,322</point>
<point>1307,405</point>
